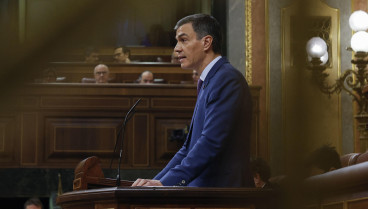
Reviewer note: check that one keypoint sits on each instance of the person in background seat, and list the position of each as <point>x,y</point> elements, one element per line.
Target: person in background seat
<point>145,77</point>
<point>91,55</point>
<point>33,203</point>
<point>261,173</point>
<point>322,160</point>
<point>101,73</point>
<point>121,55</point>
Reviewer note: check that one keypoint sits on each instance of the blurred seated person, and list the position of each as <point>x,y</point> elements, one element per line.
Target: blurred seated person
<point>322,160</point>
<point>33,203</point>
<point>91,55</point>
<point>101,73</point>
<point>195,76</point>
<point>121,55</point>
<point>145,77</point>
<point>49,76</point>
<point>261,173</point>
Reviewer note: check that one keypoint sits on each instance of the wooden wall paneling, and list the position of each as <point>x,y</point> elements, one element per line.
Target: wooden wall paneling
<point>29,138</point>
<point>337,205</point>
<point>65,123</point>
<point>170,103</point>
<point>140,140</point>
<point>358,203</point>
<point>77,137</point>
<point>164,146</point>
<point>85,102</point>
<point>9,143</point>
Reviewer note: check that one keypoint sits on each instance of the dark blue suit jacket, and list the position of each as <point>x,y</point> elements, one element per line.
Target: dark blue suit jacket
<point>216,152</point>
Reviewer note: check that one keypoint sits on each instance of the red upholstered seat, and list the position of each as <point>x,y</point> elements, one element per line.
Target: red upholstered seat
<point>362,158</point>
<point>349,159</point>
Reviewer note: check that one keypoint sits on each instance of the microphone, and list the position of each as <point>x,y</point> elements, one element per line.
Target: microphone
<point>121,132</point>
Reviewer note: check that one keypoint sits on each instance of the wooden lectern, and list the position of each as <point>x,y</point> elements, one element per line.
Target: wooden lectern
<point>89,174</point>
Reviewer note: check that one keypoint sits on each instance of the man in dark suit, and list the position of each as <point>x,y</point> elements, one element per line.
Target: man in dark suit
<point>216,151</point>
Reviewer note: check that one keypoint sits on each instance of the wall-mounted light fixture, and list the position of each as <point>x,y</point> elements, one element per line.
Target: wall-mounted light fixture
<point>352,81</point>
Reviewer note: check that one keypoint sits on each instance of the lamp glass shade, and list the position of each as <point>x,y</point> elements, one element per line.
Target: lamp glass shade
<point>358,21</point>
<point>316,47</point>
<point>359,41</point>
<point>323,59</point>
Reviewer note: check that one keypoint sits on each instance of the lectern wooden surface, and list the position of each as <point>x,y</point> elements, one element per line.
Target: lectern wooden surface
<point>88,174</point>
<point>167,197</point>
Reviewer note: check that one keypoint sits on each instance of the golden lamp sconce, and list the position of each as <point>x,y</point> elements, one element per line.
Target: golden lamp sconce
<point>353,81</point>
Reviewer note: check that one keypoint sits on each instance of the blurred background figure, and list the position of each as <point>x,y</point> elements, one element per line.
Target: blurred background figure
<point>49,76</point>
<point>322,160</point>
<point>261,173</point>
<point>121,55</point>
<point>145,77</point>
<point>101,73</point>
<point>33,203</point>
<point>195,76</point>
<point>91,55</point>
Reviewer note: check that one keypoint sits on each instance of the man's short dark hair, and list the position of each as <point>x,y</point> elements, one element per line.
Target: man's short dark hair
<point>325,158</point>
<point>124,49</point>
<point>89,50</point>
<point>261,167</point>
<point>204,25</point>
<point>33,201</point>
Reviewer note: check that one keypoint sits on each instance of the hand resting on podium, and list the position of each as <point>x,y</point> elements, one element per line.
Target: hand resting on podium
<point>146,182</point>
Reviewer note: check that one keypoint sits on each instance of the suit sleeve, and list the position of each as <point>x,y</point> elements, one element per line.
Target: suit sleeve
<point>222,105</point>
<point>178,157</point>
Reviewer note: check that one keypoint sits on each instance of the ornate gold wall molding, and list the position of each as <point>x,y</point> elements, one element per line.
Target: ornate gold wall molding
<point>248,41</point>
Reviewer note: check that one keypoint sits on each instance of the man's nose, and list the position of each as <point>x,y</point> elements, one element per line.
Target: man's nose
<point>177,48</point>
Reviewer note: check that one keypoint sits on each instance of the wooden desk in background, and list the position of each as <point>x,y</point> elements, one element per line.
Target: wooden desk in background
<point>122,73</point>
<point>57,125</point>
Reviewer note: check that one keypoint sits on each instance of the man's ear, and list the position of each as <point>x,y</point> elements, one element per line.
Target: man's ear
<point>207,42</point>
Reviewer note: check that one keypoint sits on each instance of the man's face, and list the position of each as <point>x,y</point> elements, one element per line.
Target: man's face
<point>119,55</point>
<point>190,50</point>
<point>147,78</point>
<point>258,181</point>
<point>93,57</point>
<point>101,74</point>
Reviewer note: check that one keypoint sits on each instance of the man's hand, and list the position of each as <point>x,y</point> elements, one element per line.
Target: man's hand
<point>146,182</point>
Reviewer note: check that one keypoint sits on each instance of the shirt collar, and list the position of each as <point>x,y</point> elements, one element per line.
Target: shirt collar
<point>208,68</point>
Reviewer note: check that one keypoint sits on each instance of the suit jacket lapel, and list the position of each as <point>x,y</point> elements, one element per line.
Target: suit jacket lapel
<point>210,74</point>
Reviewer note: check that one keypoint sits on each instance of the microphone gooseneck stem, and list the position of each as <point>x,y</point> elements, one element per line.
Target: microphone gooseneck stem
<point>121,153</point>
<point>128,116</point>
<point>118,176</point>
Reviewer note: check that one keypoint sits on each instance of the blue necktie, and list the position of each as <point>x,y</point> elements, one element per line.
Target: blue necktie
<point>199,85</point>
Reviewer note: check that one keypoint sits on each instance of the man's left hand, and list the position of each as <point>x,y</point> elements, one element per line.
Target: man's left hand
<point>146,182</point>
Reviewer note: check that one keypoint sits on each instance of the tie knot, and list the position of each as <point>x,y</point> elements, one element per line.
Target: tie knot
<point>199,85</point>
